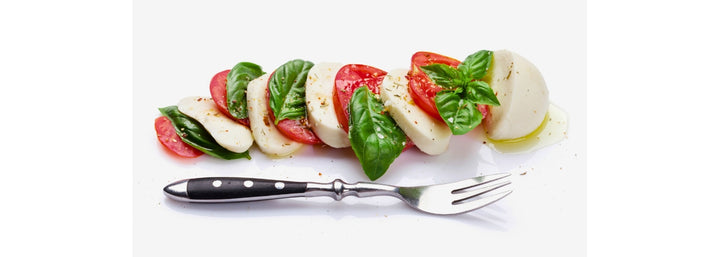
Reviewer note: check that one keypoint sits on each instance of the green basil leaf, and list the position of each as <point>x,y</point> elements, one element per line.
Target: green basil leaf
<point>194,134</point>
<point>443,75</point>
<point>237,82</point>
<point>374,136</point>
<point>479,92</point>
<point>287,90</point>
<point>459,114</point>
<point>476,65</point>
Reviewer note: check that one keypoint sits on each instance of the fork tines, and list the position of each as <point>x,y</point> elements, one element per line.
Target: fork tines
<point>475,191</point>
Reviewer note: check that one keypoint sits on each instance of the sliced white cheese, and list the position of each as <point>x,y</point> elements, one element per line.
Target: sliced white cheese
<point>429,135</point>
<point>228,133</point>
<point>522,93</point>
<point>320,106</point>
<point>268,138</point>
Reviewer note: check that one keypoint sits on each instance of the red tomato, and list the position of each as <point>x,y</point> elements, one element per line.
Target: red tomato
<point>422,89</point>
<point>349,78</point>
<point>169,138</point>
<point>296,130</point>
<point>218,91</point>
<point>484,109</point>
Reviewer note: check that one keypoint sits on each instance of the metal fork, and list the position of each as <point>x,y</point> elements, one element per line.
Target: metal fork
<point>451,198</point>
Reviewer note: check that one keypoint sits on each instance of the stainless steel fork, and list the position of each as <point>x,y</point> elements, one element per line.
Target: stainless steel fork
<point>451,198</point>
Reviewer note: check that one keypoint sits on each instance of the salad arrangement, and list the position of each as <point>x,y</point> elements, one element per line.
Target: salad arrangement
<point>378,114</point>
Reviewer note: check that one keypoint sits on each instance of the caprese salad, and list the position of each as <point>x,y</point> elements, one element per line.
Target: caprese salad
<point>377,113</point>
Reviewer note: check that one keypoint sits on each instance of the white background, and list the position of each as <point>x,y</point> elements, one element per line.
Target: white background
<point>180,45</point>
<point>67,179</point>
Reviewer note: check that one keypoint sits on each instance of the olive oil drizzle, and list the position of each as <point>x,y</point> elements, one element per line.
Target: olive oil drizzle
<point>553,129</point>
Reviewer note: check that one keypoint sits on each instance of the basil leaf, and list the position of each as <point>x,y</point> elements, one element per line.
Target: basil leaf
<point>374,136</point>
<point>479,92</point>
<point>237,82</point>
<point>476,65</point>
<point>287,90</point>
<point>443,75</point>
<point>458,113</point>
<point>194,134</point>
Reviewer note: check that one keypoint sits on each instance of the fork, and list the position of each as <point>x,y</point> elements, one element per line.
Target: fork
<point>450,198</point>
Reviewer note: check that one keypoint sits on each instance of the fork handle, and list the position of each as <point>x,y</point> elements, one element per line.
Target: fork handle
<point>233,189</point>
<point>239,189</point>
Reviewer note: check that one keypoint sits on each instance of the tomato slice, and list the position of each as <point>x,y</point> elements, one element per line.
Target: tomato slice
<point>349,78</point>
<point>169,138</point>
<point>485,110</point>
<point>218,91</point>
<point>296,130</point>
<point>422,89</point>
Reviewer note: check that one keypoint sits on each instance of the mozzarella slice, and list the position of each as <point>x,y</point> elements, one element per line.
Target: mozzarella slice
<point>429,135</point>
<point>321,109</point>
<point>268,138</point>
<point>229,134</point>
<point>522,93</point>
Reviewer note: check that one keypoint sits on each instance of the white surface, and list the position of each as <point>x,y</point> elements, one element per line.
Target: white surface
<point>179,46</point>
